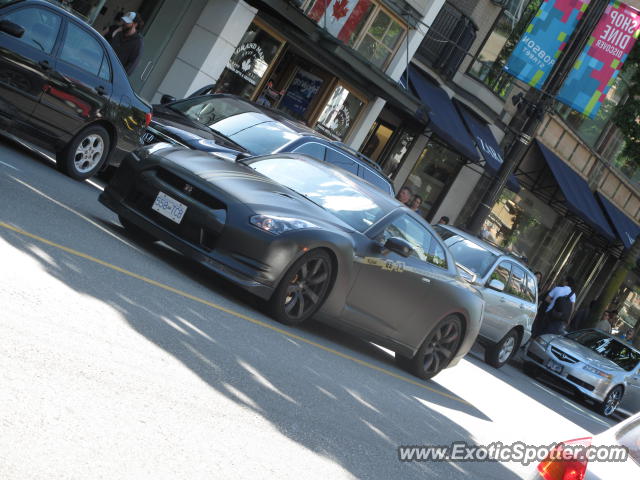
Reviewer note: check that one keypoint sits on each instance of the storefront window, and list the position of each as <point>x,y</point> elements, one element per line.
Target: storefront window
<point>249,63</point>
<point>392,163</point>
<point>339,114</point>
<point>488,65</point>
<point>347,21</point>
<point>432,176</point>
<point>300,94</point>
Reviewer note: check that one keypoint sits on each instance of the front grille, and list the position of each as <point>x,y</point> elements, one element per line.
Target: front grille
<point>186,188</point>
<point>583,384</point>
<point>565,357</point>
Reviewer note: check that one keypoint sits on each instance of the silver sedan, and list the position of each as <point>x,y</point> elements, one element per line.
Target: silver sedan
<point>599,366</point>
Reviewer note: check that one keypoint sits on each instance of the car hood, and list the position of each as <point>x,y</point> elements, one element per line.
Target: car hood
<point>189,132</point>
<point>256,191</point>
<point>584,354</point>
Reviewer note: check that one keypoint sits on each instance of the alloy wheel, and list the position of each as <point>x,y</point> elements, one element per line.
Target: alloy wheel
<point>612,401</point>
<point>442,345</point>
<point>307,288</point>
<point>507,349</point>
<point>88,153</point>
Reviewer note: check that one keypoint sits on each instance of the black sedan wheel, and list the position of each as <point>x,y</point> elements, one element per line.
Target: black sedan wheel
<point>303,289</point>
<point>438,349</point>
<point>85,154</point>
<point>611,401</point>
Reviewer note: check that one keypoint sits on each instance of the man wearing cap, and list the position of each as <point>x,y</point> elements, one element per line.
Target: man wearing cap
<point>127,42</point>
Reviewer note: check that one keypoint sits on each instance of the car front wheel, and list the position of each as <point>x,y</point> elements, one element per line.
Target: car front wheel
<point>611,401</point>
<point>437,350</point>
<point>303,289</point>
<point>85,154</point>
<point>500,353</point>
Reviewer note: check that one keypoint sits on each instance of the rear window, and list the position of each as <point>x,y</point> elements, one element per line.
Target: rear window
<point>630,437</point>
<point>264,138</point>
<point>375,179</point>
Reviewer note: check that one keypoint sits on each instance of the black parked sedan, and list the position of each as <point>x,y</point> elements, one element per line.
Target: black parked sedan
<point>311,240</point>
<point>234,126</point>
<point>63,88</point>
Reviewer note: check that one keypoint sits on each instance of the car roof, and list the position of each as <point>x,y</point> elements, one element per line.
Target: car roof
<point>486,245</point>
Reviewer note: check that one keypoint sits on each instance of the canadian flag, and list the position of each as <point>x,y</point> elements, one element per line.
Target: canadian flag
<point>340,17</point>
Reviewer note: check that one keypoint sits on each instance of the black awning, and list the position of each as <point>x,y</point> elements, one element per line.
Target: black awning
<point>579,197</point>
<point>626,228</point>
<point>444,119</point>
<point>487,144</point>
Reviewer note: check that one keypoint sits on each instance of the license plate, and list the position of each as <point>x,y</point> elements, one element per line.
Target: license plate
<point>554,366</point>
<point>169,207</point>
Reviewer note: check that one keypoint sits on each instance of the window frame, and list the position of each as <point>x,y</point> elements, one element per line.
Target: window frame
<point>105,55</point>
<point>58,39</point>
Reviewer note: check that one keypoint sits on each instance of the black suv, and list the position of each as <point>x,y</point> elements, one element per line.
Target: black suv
<point>63,88</point>
<point>231,126</point>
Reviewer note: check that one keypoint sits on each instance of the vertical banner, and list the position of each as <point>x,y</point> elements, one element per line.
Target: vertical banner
<point>600,62</point>
<point>544,40</point>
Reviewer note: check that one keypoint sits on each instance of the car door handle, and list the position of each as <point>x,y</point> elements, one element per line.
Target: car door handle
<point>44,65</point>
<point>100,89</point>
<point>425,280</point>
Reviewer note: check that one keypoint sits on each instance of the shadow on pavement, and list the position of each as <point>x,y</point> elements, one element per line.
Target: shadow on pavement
<point>351,415</point>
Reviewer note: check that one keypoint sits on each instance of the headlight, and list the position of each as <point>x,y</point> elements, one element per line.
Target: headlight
<point>600,373</point>
<point>278,225</point>
<point>144,152</point>
<point>543,342</point>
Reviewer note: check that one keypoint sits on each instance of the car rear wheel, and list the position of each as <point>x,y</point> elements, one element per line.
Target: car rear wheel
<point>303,289</point>
<point>135,231</point>
<point>437,350</point>
<point>500,353</point>
<point>85,154</point>
<point>611,401</point>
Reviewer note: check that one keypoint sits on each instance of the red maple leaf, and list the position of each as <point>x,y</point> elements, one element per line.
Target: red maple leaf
<point>340,9</point>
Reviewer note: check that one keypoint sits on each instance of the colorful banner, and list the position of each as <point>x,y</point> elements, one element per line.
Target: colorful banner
<point>544,40</point>
<point>599,64</point>
<point>341,18</point>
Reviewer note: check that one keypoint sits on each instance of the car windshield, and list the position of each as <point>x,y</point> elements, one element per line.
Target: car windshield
<point>324,186</point>
<point>210,110</point>
<point>610,348</point>
<point>467,253</point>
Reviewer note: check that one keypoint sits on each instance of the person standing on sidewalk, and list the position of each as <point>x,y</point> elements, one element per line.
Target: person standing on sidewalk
<point>561,300</point>
<point>127,42</point>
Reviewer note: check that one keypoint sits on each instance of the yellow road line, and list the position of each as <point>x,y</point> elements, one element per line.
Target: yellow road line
<point>229,311</point>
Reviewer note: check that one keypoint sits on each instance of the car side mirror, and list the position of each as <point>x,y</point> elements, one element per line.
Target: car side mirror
<point>399,246</point>
<point>11,28</point>
<point>496,284</point>
<point>166,99</point>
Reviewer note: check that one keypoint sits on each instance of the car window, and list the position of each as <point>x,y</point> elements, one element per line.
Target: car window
<point>341,160</point>
<point>376,179</point>
<point>619,353</point>
<point>312,149</point>
<point>262,138</point>
<point>501,273</point>
<point>629,437</point>
<point>327,187</point>
<point>470,255</point>
<point>517,283</point>
<point>82,50</point>
<point>41,27</point>
<point>531,289</point>
<point>425,246</point>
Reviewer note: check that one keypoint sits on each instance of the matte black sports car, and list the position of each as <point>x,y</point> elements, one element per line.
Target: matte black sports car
<point>311,240</point>
<point>63,88</point>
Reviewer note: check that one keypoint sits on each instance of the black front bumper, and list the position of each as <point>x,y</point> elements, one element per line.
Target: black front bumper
<point>131,194</point>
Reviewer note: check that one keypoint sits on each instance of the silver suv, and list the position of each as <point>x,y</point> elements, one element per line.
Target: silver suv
<point>509,288</point>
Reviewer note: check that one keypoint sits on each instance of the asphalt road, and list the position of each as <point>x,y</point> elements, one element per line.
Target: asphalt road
<point>122,360</point>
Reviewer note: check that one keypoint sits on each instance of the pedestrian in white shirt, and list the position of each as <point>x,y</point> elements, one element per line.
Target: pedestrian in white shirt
<point>557,318</point>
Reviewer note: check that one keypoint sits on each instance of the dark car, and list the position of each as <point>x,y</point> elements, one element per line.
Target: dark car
<point>63,88</point>
<point>229,124</point>
<point>310,239</point>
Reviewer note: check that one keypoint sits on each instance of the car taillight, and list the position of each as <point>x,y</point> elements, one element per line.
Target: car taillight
<point>147,119</point>
<point>566,461</point>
